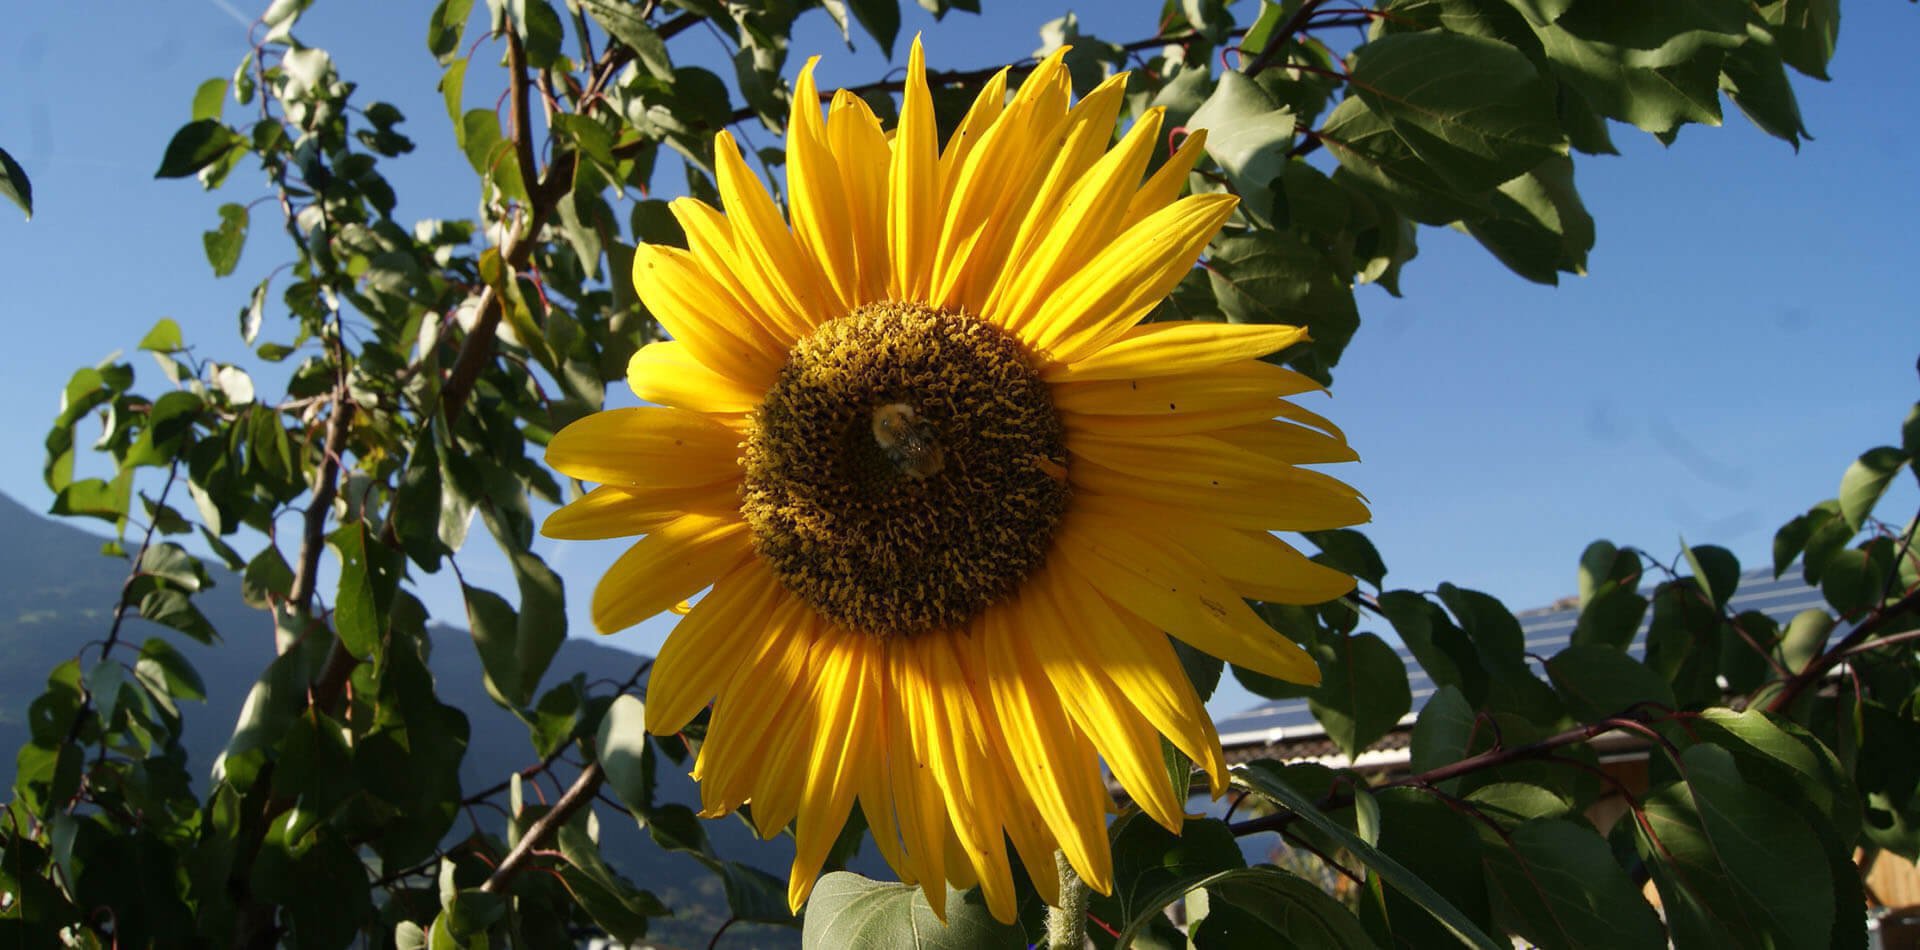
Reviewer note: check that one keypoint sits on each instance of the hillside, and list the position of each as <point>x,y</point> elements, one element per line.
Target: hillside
<point>57,596</point>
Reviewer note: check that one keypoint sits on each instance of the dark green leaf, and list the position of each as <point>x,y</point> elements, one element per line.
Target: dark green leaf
<point>1556,884</point>
<point>1866,480</point>
<point>1805,638</point>
<point>1152,866</point>
<point>369,575</point>
<point>1655,93</point>
<point>1444,733</point>
<point>1267,907</point>
<point>1489,623</point>
<point>1805,31</point>
<point>1349,551</point>
<point>160,663</point>
<point>881,20</point>
<point>1538,226</point>
<point>1715,570</point>
<point>195,146</point>
<point>608,898</point>
<point>624,22</point>
<point>1755,78</point>
<point>1475,110</point>
<point>848,910</point>
<point>1611,618</point>
<point>1363,691</point>
<point>1264,277</point>
<point>449,20</point>
<point>1265,778</point>
<point>14,183</point>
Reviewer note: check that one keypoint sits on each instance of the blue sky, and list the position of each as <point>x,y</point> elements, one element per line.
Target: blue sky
<point>1745,330</point>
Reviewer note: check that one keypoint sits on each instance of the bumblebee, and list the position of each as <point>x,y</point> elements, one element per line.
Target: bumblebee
<point>907,440</point>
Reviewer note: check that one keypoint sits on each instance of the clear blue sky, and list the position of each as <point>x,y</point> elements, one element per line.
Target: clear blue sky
<point>1746,328</point>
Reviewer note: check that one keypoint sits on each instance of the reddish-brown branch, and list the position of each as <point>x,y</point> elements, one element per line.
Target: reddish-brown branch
<point>579,794</point>
<point>1854,642</point>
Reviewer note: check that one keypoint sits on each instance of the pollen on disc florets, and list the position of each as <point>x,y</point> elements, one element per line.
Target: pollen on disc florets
<point>902,472</point>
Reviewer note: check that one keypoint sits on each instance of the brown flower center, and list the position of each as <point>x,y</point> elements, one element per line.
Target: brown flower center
<point>906,470</point>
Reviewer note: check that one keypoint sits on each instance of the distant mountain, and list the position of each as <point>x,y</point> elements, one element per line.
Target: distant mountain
<point>57,593</point>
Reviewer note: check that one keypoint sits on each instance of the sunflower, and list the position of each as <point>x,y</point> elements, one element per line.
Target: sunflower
<point>949,494</point>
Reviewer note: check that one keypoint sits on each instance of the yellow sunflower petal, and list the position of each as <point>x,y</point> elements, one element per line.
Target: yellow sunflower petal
<point>646,448</point>
<point>1055,763</point>
<point>916,796</point>
<point>709,645</point>
<point>758,711</point>
<point>1169,349</point>
<point>986,108</point>
<point>666,373</point>
<point>1286,499</point>
<point>1288,444</point>
<point>1174,591</point>
<point>784,281</point>
<point>1087,221</point>
<point>1126,279</point>
<point>668,566</point>
<point>860,148</point>
<point>821,220</point>
<point>1256,563</point>
<point>711,246</point>
<point>846,690</point>
<point>1229,386</point>
<point>1167,181</point>
<point>913,186</point>
<point>615,512</point>
<point>1125,739</point>
<point>1081,141</point>
<point>1144,672</point>
<point>700,313</point>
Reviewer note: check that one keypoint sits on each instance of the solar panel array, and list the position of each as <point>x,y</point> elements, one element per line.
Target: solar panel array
<point>1547,631</point>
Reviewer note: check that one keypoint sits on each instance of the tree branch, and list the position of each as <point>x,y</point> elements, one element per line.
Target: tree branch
<point>1854,642</point>
<point>580,793</point>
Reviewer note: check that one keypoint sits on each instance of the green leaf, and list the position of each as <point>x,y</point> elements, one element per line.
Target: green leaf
<point>1349,551</point>
<point>96,498</point>
<point>1715,570</point>
<point>1152,866</point>
<point>608,898</point>
<point>1491,625</point>
<point>540,28</point>
<point>1265,778</point>
<point>848,910</point>
<point>1556,884</point>
<point>173,564</point>
<point>160,663</point>
<point>625,753</point>
<point>1248,134</point>
<point>163,338</point>
<point>1363,691</point>
<point>489,153</point>
<point>1866,480</point>
<point>209,99</point>
<point>449,20</point>
<point>1756,79</point>
<point>1475,110</point>
<point>1444,733</point>
<point>369,575</point>
<point>14,183</point>
<point>1267,907</point>
<point>1733,865</point>
<point>1611,617</point>
<point>196,145</point>
<point>1264,277</point>
<point>1805,638</point>
<point>1805,31</point>
<point>1538,226</point>
<point>1512,803</point>
<point>624,22</point>
<point>1657,94</point>
<point>881,20</point>
<point>1598,682</point>
<point>224,242</point>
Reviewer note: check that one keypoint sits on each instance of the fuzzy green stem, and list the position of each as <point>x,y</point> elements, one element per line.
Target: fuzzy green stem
<point>1067,923</point>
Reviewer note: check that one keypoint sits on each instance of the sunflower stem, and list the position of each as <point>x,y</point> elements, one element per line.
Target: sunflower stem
<point>1067,923</point>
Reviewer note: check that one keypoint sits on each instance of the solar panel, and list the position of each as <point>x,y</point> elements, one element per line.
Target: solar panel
<point>1545,631</point>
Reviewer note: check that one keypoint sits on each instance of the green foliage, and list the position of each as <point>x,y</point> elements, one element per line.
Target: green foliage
<point>425,364</point>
